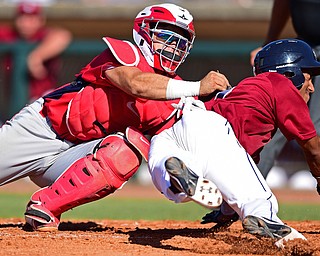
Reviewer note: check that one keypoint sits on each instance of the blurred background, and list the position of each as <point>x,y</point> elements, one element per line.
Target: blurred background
<point>227,31</point>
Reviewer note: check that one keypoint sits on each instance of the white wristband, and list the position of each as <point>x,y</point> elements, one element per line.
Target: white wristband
<point>178,88</point>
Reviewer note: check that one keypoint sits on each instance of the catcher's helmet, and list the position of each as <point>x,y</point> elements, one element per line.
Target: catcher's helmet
<point>155,24</point>
<point>290,57</point>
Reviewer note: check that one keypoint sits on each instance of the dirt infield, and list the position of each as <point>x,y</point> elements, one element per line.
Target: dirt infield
<point>153,238</point>
<point>117,238</point>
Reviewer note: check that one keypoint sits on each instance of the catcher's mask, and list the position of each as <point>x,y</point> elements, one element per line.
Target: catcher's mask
<point>170,26</point>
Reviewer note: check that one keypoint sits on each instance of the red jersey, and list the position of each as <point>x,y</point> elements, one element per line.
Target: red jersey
<point>91,107</point>
<point>37,87</point>
<point>259,105</point>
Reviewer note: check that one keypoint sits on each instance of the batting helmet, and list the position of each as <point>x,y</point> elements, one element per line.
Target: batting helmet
<point>164,24</point>
<point>290,57</point>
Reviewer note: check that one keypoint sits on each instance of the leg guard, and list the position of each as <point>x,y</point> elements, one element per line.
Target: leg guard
<point>95,176</point>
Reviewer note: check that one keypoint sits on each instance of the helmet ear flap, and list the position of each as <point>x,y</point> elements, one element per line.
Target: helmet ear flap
<point>296,76</point>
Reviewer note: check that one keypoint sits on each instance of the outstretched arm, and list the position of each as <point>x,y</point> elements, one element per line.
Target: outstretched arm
<point>154,86</point>
<point>55,42</point>
<point>280,15</point>
<point>311,149</point>
<point>279,18</point>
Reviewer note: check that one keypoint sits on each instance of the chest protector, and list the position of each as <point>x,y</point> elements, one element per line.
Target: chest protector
<point>97,110</point>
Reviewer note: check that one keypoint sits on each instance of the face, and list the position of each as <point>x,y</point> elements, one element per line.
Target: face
<point>171,44</point>
<point>28,25</point>
<point>307,87</point>
<point>168,36</point>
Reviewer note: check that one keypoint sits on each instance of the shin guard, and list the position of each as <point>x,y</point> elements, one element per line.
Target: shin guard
<point>90,178</point>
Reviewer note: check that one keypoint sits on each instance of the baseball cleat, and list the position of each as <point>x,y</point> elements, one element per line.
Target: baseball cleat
<point>264,227</point>
<point>42,227</point>
<point>200,190</point>
<point>40,218</point>
<point>222,221</point>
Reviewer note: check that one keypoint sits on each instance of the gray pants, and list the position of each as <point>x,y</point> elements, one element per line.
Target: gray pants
<point>29,147</point>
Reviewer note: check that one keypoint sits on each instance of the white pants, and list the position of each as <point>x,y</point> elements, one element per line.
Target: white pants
<point>205,142</point>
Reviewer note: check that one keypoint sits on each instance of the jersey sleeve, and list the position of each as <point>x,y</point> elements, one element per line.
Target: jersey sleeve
<point>118,53</point>
<point>7,35</point>
<point>292,112</point>
<point>94,71</point>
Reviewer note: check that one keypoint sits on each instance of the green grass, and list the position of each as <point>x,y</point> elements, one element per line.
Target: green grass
<point>13,205</point>
<point>137,209</point>
<point>299,211</point>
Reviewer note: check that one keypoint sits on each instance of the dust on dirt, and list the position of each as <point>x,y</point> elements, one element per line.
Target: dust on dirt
<point>154,238</point>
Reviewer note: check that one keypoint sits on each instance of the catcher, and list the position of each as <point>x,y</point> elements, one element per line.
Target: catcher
<point>75,142</point>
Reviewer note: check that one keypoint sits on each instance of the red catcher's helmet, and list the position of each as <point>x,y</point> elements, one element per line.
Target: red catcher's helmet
<point>169,25</point>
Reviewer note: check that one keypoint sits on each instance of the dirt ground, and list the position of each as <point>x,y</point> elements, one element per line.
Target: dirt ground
<point>153,238</point>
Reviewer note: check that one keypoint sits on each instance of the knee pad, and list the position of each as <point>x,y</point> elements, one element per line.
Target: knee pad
<point>114,161</point>
<point>117,159</point>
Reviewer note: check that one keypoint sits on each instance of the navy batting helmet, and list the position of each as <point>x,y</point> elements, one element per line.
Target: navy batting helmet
<point>290,57</point>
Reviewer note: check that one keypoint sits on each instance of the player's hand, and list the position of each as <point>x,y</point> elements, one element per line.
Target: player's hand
<point>36,67</point>
<point>253,55</point>
<point>213,81</point>
<point>189,104</point>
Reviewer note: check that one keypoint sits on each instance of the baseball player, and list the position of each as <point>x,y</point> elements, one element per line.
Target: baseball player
<point>43,61</point>
<point>84,140</point>
<point>223,145</point>
<point>302,15</point>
